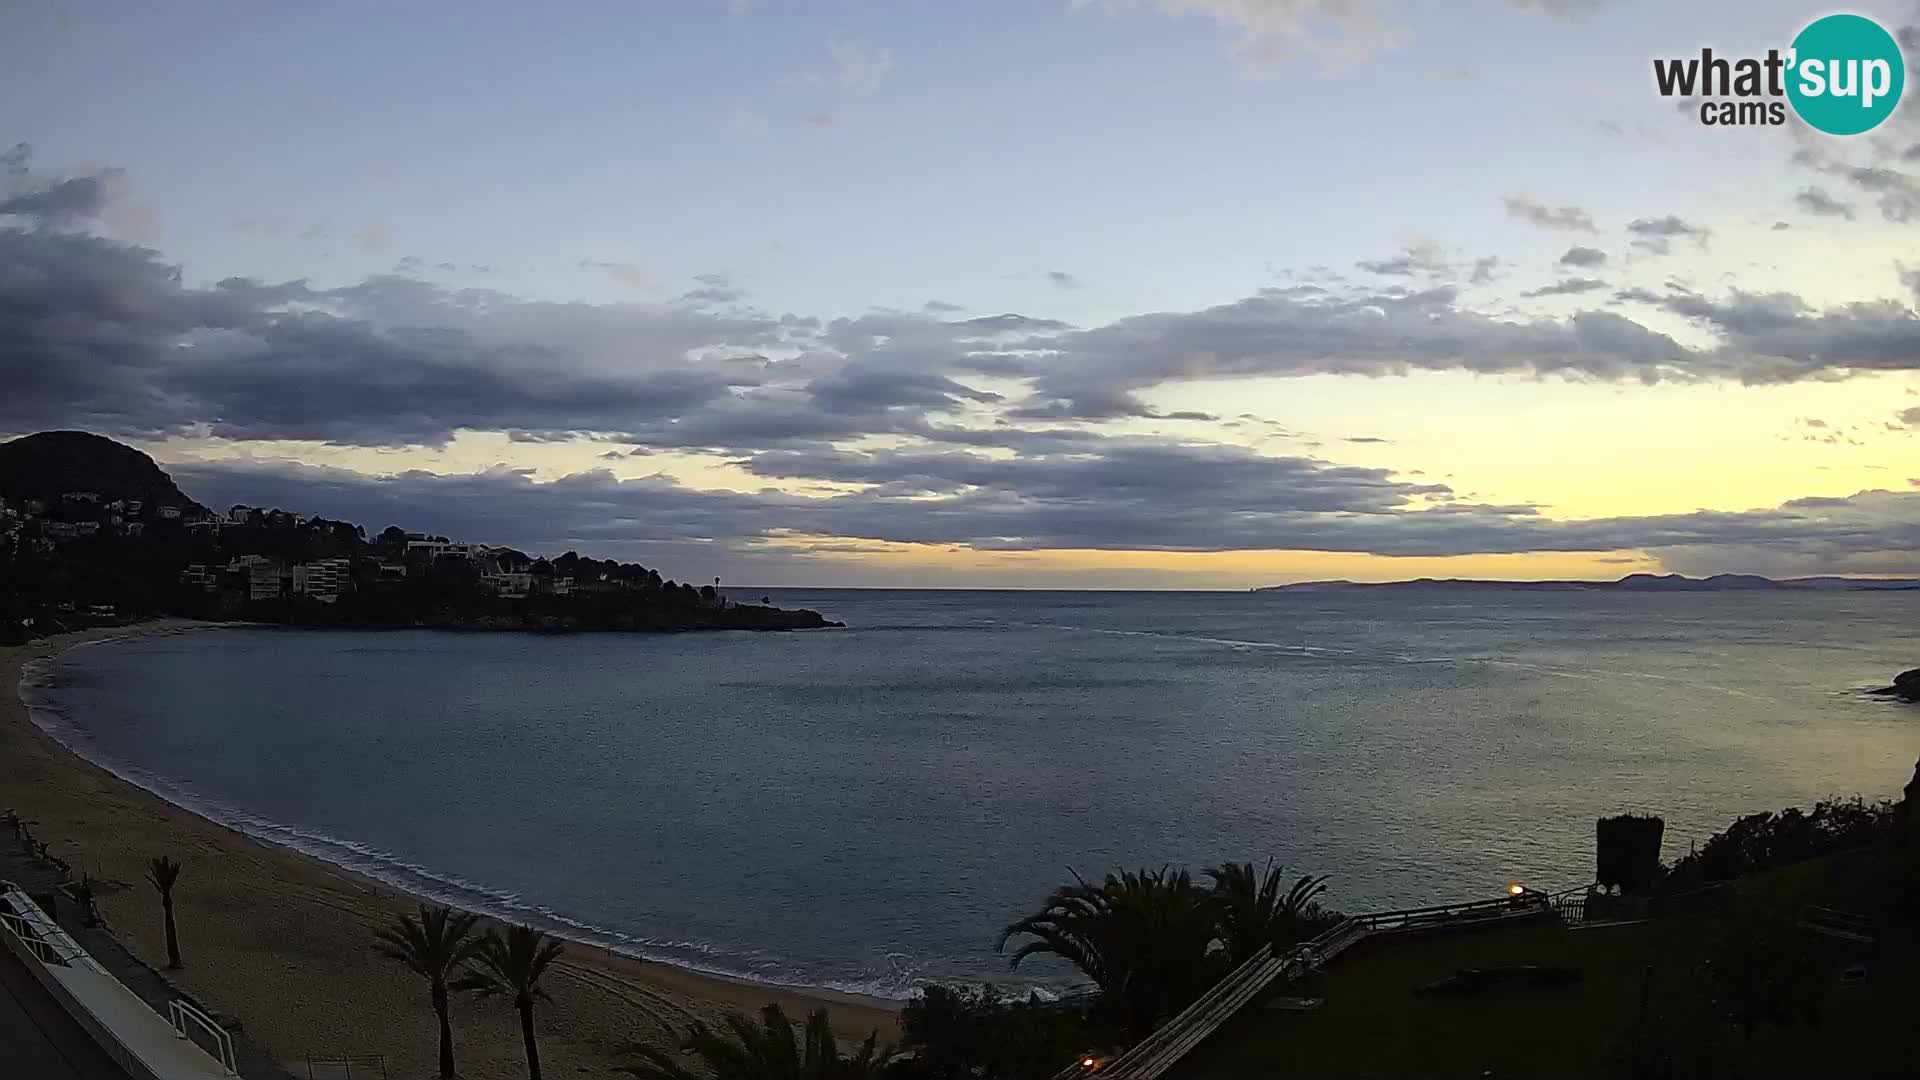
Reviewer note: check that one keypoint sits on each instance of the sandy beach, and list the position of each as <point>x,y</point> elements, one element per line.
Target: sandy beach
<point>281,942</point>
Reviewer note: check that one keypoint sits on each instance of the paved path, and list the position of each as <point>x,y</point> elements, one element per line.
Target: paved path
<point>38,1038</point>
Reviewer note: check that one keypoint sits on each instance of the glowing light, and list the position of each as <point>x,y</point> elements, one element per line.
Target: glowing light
<point>1516,889</point>
<point>1088,1063</point>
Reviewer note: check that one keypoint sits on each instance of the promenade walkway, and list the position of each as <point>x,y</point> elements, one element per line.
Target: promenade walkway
<point>124,983</point>
<point>1160,1051</point>
<point>38,1038</point>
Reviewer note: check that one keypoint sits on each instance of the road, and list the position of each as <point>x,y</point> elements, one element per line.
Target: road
<point>37,1037</point>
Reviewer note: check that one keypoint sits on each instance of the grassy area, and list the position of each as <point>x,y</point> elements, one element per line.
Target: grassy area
<point>1374,1025</point>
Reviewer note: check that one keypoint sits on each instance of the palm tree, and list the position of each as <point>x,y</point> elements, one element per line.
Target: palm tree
<point>511,967</point>
<point>1147,940</point>
<point>434,945</point>
<point>1252,911</point>
<point>768,1050</point>
<point>163,872</point>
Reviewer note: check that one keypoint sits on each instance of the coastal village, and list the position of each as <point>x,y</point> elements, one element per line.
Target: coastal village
<point>93,531</point>
<point>37,526</point>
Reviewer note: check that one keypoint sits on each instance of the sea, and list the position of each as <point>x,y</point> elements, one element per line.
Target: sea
<point>863,809</point>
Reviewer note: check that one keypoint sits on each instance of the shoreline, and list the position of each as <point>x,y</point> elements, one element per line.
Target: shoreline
<point>279,938</point>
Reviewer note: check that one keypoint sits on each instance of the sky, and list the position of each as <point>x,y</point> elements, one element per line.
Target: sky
<point>1054,293</point>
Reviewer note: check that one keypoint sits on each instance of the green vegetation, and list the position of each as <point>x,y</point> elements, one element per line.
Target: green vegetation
<point>511,966</point>
<point>1252,911</point>
<point>1736,987</point>
<point>435,945</point>
<point>94,532</point>
<point>769,1050</point>
<point>959,1033</point>
<point>1148,940</point>
<point>1766,840</point>
<point>1744,982</point>
<point>1151,941</point>
<point>162,873</point>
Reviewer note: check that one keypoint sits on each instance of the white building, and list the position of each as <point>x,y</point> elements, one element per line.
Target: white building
<point>322,579</point>
<point>511,585</point>
<point>266,579</point>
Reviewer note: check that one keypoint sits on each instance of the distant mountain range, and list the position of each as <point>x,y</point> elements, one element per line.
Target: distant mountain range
<point>1630,583</point>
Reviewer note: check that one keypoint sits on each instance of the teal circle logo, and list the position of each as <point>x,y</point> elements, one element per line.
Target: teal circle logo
<point>1846,74</point>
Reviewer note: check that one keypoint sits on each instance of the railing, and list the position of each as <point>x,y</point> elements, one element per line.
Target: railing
<point>1838,924</point>
<point>1158,1052</point>
<point>1444,914</point>
<point>366,1065</point>
<point>184,1015</point>
<point>37,933</point>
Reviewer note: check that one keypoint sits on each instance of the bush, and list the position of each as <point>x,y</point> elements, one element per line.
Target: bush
<point>956,1032</point>
<point>1766,840</point>
<point>1627,851</point>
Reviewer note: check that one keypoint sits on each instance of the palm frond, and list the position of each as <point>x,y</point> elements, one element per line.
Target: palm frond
<point>162,872</point>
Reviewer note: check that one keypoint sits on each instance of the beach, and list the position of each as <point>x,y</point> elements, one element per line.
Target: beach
<point>281,943</point>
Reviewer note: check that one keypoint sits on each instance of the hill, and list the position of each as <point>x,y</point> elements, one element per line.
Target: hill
<point>72,561</point>
<point>1630,583</point>
<point>51,463</point>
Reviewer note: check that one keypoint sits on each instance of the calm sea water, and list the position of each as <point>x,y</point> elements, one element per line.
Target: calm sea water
<point>857,809</point>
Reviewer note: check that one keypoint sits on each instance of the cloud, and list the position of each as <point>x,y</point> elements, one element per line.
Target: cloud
<point>1655,235</point>
<point>106,336</point>
<point>1152,495</point>
<point>1816,201</point>
<point>1483,269</point>
<point>1568,287</point>
<point>1063,280</point>
<point>1415,260</point>
<point>857,72</point>
<point>1309,331</point>
<point>1909,417</point>
<point>51,202</point>
<point>714,289</point>
<point>1534,212</point>
<point>1267,34</point>
<point>63,202</point>
<point>103,334</point>
<point>1879,166</point>
<point>1583,257</point>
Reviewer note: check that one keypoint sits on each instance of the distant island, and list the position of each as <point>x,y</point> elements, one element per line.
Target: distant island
<point>93,531</point>
<point>1630,583</point>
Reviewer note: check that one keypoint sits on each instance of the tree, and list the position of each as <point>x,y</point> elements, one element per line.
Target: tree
<point>163,872</point>
<point>769,1050</point>
<point>963,1032</point>
<point>512,967</point>
<point>1762,972</point>
<point>1252,911</point>
<point>433,945</point>
<point>1145,939</point>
